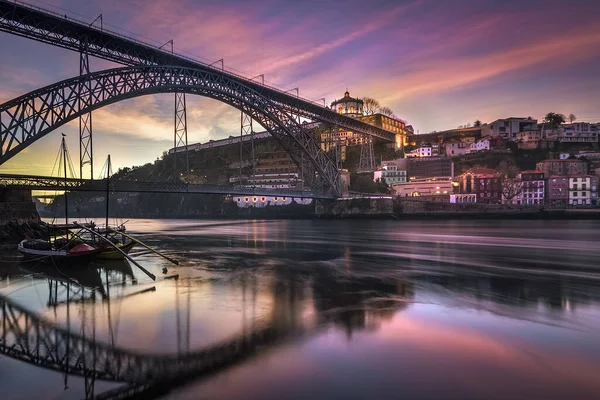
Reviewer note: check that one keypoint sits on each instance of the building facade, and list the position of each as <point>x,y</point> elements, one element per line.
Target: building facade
<point>557,191</point>
<point>424,187</point>
<point>425,150</point>
<point>583,190</point>
<point>454,149</point>
<point>264,201</point>
<point>578,132</point>
<point>429,167</point>
<point>508,128</point>
<point>562,167</point>
<point>486,183</point>
<point>529,139</point>
<point>392,173</point>
<point>533,188</point>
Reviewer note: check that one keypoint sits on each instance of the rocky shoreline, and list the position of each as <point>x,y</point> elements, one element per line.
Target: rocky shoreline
<point>15,231</point>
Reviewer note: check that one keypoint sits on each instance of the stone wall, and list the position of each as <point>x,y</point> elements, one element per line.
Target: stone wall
<point>356,207</point>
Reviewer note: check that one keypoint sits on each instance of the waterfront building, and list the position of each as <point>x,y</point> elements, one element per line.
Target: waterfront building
<point>562,167</point>
<point>532,185</point>
<point>392,172</point>
<point>508,128</point>
<point>557,191</point>
<point>583,190</point>
<point>484,182</point>
<point>264,201</point>
<point>424,187</point>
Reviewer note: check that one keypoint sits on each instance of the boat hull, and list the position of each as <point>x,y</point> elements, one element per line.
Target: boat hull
<point>110,253</point>
<point>56,257</point>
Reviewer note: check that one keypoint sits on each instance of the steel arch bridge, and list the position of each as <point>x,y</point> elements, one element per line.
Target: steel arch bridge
<point>30,117</point>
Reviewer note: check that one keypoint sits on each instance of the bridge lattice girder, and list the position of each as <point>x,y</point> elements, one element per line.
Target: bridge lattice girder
<point>29,338</point>
<point>30,117</point>
<point>33,182</point>
<point>44,26</point>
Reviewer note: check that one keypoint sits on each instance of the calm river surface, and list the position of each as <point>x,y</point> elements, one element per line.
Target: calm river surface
<point>363,309</point>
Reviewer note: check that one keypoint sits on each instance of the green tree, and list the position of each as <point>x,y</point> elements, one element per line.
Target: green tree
<point>477,123</point>
<point>572,118</point>
<point>364,184</point>
<point>382,186</point>
<point>554,119</point>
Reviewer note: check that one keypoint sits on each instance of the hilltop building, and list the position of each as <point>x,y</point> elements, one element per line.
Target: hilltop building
<point>562,167</point>
<point>508,128</point>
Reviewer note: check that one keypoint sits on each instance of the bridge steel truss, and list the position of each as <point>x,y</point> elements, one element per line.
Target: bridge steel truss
<point>48,183</point>
<point>28,118</point>
<point>29,338</point>
<point>61,31</point>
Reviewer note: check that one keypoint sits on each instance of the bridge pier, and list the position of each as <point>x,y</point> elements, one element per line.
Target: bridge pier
<point>18,214</point>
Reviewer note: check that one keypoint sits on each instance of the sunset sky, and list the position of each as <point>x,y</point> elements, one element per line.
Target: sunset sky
<point>436,63</point>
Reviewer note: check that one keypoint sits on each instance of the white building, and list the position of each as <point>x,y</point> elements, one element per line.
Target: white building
<point>460,198</point>
<point>509,127</point>
<point>426,150</point>
<point>482,144</point>
<point>583,190</point>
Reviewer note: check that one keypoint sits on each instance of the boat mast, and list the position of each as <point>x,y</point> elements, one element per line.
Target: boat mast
<point>107,190</point>
<point>64,151</point>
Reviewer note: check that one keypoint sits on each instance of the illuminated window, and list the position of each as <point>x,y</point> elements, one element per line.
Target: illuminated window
<point>284,199</point>
<point>254,199</point>
<point>340,110</point>
<point>276,199</point>
<point>262,199</point>
<point>352,109</point>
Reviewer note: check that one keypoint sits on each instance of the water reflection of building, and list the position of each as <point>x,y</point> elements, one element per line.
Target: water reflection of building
<point>358,303</point>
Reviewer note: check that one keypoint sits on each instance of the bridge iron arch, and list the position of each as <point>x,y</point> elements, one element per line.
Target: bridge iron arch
<point>30,117</point>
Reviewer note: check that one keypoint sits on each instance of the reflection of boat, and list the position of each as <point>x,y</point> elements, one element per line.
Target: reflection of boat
<point>81,274</point>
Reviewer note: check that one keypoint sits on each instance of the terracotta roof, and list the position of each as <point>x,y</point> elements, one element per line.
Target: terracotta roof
<point>531,171</point>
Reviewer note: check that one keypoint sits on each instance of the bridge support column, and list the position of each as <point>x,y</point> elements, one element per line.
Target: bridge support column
<point>367,155</point>
<point>85,121</point>
<point>246,149</point>
<point>180,140</point>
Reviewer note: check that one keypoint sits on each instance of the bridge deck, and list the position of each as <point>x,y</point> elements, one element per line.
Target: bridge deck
<point>34,182</point>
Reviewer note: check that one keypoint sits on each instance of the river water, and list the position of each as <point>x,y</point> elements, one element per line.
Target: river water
<point>363,309</point>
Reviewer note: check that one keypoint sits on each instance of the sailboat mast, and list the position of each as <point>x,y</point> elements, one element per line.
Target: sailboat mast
<point>107,189</point>
<point>64,151</point>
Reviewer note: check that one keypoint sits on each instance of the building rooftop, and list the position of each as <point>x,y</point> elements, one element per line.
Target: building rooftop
<point>531,171</point>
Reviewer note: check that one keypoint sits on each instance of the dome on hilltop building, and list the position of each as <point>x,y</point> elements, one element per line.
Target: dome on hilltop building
<point>352,107</point>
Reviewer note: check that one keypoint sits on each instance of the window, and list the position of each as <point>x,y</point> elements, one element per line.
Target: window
<point>583,194</point>
<point>574,194</point>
